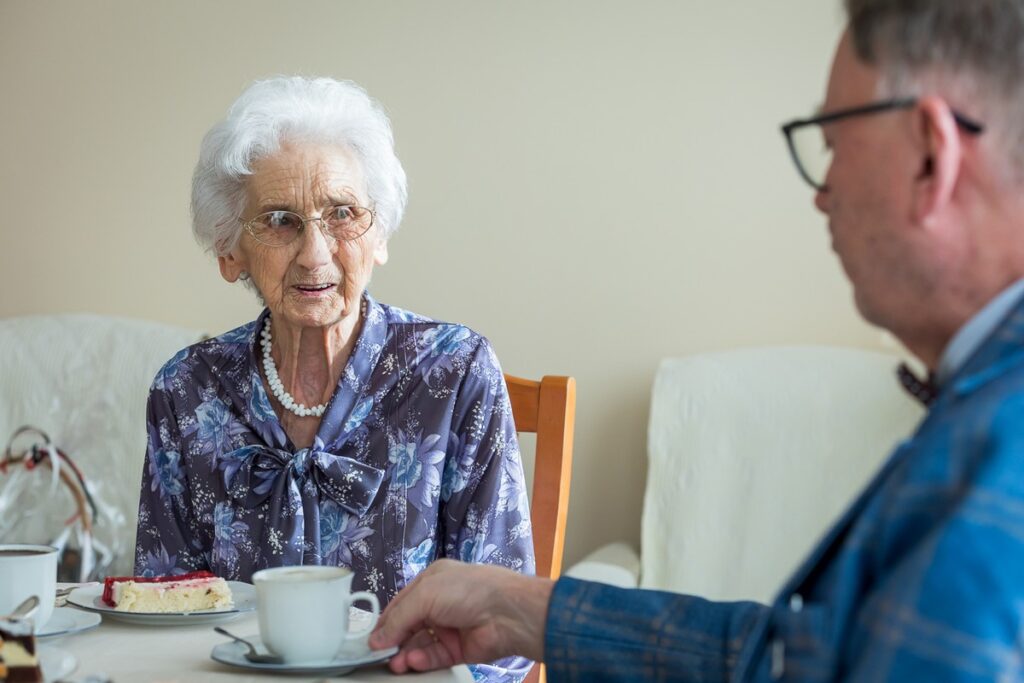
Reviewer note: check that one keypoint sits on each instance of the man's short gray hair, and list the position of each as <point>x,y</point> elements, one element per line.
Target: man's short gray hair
<point>975,47</point>
<point>270,112</point>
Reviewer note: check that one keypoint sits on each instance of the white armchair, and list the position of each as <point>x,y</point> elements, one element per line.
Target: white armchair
<point>751,456</point>
<point>84,380</point>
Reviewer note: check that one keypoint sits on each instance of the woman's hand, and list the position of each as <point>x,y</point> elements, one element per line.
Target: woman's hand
<point>455,613</point>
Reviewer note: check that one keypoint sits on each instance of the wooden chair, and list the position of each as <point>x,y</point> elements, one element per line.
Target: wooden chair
<point>547,408</point>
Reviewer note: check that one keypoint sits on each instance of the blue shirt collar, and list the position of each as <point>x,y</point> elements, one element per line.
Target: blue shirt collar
<point>969,337</point>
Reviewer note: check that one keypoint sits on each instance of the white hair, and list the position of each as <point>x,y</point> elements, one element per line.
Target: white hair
<point>269,112</point>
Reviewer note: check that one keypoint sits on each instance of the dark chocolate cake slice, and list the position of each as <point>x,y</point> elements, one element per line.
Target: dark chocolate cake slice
<point>19,662</point>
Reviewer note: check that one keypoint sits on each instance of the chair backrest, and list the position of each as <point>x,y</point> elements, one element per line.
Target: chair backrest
<point>548,408</point>
<point>753,454</point>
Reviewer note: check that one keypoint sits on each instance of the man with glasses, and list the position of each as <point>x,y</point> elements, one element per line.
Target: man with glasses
<point>917,160</point>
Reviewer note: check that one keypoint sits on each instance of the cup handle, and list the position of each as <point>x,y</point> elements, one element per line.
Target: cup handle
<point>372,599</point>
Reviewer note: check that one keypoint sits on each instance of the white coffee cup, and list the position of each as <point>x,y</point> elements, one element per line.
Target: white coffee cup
<point>27,570</point>
<point>303,611</point>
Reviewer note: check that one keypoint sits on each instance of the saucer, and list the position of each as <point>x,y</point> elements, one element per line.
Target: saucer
<point>90,598</point>
<point>66,621</point>
<point>55,663</point>
<point>233,654</point>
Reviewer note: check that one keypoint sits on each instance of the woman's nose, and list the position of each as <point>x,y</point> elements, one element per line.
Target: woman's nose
<point>316,247</point>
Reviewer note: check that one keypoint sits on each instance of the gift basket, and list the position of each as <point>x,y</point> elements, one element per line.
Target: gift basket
<point>46,498</point>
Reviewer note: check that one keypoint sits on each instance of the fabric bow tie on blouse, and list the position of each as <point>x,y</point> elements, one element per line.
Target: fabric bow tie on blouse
<point>256,472</point>
<point>924,390</point>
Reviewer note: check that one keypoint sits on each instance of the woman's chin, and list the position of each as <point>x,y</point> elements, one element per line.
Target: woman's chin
<point>310,312</point>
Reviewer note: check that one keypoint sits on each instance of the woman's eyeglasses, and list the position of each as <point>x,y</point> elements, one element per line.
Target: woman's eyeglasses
<point>344,222</point>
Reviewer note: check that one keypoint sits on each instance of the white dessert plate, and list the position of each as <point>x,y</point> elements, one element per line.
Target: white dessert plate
<point>55,663</point>
<point>90,598</point>
<point>66,621</point>
<point>354,657</point>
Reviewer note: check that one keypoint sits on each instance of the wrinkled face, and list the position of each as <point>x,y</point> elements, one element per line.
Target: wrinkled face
<point>868,200</point>
<point>315,281</point>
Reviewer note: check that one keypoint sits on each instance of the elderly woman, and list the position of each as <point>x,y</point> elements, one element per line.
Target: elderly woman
<point>333,429</point>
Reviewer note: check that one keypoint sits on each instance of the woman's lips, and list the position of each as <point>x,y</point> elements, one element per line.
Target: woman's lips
<point>315,290</point>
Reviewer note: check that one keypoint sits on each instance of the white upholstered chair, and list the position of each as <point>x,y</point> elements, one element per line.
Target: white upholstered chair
<point>751,456</point>
<point>84,380</point>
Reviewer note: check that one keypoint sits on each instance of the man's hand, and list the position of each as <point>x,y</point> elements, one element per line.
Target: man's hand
<point>455,613</point>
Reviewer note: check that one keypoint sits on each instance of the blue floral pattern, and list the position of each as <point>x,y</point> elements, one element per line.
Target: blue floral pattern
<point>446,339</point>
<point>167,477</point>
<point>213,426</point>
<point>476,549</point>
<point>339,531</point>
<point>458,465</point>
<point>171,370</point>
<point>159,563</point>
<point>229,534</point>
<point>415,462</point>
<point>417,559</point>
<point>402,471</point>
<point>362,411</point>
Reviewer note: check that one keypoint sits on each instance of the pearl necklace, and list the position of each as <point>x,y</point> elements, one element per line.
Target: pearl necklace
<point>274,381</point>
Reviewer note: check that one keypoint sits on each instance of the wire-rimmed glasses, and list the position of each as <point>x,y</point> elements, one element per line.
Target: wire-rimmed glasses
<point>813,157</point>
<point>343,222</point>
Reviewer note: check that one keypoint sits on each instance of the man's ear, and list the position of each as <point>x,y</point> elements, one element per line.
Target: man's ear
<point>941,156</point>
<point>380,252</point>
<point>231,267</point>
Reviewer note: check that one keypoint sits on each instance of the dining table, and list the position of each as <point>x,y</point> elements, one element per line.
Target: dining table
<point>125,652</point>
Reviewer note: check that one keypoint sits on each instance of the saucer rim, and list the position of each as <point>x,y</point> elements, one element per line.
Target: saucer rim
<point>368,657</point>
<point>85,621</point>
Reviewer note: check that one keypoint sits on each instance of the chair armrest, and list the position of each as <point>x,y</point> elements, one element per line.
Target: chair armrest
<point>616,564</point>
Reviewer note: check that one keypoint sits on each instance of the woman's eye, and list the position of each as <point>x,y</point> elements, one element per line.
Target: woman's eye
<point>340,214</point>
<point>281,220</point>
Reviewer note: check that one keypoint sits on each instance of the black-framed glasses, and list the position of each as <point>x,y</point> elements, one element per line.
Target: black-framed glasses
<point>813,157</point>
<point>344,222</point>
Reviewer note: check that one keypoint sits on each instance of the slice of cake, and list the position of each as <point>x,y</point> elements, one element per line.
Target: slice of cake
<point>18,660</point>
<point>167,594</point>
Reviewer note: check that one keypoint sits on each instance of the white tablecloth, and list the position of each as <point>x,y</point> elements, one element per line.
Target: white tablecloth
<point>129,653</point>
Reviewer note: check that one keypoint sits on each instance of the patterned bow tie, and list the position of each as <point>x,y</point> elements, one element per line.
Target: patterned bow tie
<point>924,390</point>
<point>254,473</point>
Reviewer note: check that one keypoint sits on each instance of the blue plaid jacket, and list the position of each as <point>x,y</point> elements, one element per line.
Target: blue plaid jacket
<point>922,579</point>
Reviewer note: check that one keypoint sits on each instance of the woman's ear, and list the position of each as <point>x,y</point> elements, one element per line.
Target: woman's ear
<point>231,267</point>
<point>941,156</point>
<point>380,252</point>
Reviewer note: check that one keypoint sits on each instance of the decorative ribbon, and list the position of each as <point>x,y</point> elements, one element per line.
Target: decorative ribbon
<point>254,473</point>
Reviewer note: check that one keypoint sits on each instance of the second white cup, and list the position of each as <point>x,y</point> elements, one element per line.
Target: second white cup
<point>303,611</point>
<point>27,570</point>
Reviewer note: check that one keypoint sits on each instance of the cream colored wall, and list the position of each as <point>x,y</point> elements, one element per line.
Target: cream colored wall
<point>593,185</point>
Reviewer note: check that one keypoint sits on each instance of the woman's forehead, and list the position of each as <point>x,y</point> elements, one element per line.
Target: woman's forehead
<point>307,172</point>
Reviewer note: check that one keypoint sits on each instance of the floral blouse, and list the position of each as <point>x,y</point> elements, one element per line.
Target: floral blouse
<point>416,458</point>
